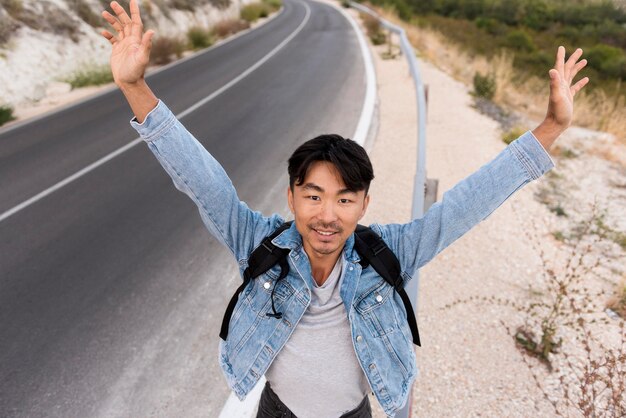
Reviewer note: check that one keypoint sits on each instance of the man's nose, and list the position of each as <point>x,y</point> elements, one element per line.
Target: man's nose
<point>327,212</point>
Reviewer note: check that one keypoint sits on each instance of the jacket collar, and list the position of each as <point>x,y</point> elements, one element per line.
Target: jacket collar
<point>291,239</point>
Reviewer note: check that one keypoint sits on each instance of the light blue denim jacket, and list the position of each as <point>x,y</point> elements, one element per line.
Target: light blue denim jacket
<point>380,332</point>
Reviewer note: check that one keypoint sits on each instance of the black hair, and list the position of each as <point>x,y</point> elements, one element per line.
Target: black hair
<point>348,157</point>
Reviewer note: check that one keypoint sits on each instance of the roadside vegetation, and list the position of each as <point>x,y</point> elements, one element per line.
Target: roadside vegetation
<point>563,324</point>
<point>511,44</point>
<point>6,114</point>
<point>254,11</point>
<point>90,76</point>
<point>374,29</point>
<point>168,49</point>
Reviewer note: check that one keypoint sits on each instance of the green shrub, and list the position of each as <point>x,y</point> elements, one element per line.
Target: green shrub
<point>491,26</point>
<point>6,114</point>
<point>484,85</point>
<point>345,4</point>
<point>90,76</point>
<point>199,38</point>
<point>273,4</point>
<point>253,11</point>
<point>512,134</point>
<point>608,60</point>
<point>164,50</point>
<point>520,41</point>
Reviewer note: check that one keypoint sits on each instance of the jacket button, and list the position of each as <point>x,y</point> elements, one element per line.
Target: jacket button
<point>266,285</point>
<point>359,338</point>
<point>372,366</point>
<point>379,298</point>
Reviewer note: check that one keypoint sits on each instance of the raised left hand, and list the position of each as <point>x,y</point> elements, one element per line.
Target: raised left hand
<point>561,104</point>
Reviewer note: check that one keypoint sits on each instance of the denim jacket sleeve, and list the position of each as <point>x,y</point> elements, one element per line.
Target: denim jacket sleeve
<point>196,173</point>
<point>467,203</point>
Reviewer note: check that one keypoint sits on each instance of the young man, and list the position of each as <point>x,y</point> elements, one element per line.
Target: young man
<point>330,331</point>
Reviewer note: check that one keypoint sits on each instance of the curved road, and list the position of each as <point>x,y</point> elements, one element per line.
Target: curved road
<point>111,290</point>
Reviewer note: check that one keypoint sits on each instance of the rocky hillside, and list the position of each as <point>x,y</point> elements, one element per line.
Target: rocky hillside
<point>46,40</point>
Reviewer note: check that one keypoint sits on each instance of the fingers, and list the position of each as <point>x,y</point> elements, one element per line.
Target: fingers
<point>560,60</point>
<point>115,23</point>
<point>122,16</point>
<point>576,87</point>
<point>135,16</point>
<point>146,41</point>
<point>579,66</point>
<point>109,36</point>
<point>136,26</point>
<point>571,63</point>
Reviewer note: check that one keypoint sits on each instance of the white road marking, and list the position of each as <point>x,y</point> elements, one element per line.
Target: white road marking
<point>234,408</point>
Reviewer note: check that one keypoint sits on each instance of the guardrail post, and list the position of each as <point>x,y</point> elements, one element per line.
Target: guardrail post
<point>424,190</point>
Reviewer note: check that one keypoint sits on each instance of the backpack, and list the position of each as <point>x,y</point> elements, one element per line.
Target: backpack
<point>368,244</point>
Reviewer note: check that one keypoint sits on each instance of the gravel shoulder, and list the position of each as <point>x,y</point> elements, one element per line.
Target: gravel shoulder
<point>469,364</point>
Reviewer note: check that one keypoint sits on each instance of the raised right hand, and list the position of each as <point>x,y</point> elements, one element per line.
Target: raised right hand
<point>131,46</point>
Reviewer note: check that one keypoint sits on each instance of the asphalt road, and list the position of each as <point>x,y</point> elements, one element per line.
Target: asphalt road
<point>111,290</point>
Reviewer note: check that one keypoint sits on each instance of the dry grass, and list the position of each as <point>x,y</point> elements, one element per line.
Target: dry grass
<point>228,27</point>
<point>166,50</point>
<point>617,303</point>
<point>595,110</point>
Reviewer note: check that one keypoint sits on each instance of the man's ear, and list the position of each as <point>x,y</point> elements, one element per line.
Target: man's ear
<point>366,202</point>
<point>290,199</point>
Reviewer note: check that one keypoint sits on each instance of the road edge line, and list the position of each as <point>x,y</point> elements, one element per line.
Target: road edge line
<point>234,408</point>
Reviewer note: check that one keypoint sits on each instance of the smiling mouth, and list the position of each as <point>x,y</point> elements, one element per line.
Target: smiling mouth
<point>325,233</point>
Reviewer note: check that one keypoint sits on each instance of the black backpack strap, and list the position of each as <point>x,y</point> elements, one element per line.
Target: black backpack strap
<point>375,252</point>
<point>263,258</point>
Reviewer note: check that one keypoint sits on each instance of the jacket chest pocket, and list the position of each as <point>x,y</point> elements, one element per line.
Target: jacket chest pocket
<point>376,308</point>
<point>258,293</point>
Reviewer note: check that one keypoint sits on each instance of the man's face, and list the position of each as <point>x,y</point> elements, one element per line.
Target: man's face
<point>326,212</point>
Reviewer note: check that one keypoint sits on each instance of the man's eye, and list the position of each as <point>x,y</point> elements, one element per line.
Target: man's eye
<point>344,201</point>
<point>313,197</point>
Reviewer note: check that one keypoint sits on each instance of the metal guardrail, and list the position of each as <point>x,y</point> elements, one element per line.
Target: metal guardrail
<point>420,205</point>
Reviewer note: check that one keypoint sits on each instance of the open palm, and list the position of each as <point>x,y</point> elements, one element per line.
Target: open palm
<point>131,46</point>
<point>561,105</point>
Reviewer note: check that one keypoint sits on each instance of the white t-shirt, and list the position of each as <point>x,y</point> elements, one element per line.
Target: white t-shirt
<point>317,374</point>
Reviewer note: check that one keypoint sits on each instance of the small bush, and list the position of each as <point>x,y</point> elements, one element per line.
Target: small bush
<point>6,114</point>
<point>373,29</point>
<point>273,4</point>
<point>345,4</point>
<point>512,134</point>
<point>609,60</point>
<point>229,26</point>
<point>164,50</point>
<point>484,85</point>
<point>199,38</point>
<point>253,11</point>
<point>90,76</point>
<point>520,41</point>
<point>491,26</point>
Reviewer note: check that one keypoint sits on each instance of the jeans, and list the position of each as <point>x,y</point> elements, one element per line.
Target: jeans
<point>270,406</point>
